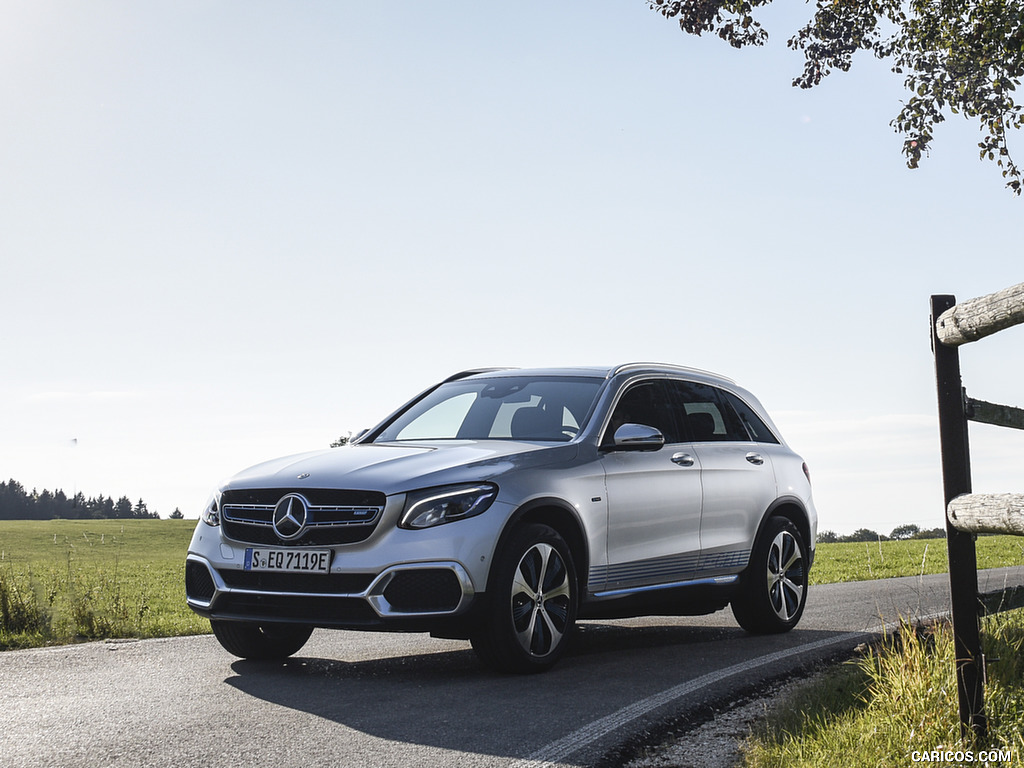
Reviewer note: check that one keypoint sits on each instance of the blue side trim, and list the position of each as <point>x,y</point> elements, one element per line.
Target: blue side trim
<point>670,570</point>
<point>735,559</point>
<point>713,581</point>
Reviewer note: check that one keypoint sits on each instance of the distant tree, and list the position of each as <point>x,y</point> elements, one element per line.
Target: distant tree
<point>100,507</point>
<point>16,504</point>
<point>864,534</point>
<point>123,508</point>
<point>962,58</point>
<point>176,515</point>
<point>343,440</point>
<point>141,511</point>
<point>45,507</point>
<point>827,537</point>
<point>901,532</point>
<point>61,503</point>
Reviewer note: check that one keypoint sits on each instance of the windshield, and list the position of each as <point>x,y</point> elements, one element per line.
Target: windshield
<point>549,408</point>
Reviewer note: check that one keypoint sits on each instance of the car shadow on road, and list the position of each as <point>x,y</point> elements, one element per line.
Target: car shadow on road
<point>448,700</point>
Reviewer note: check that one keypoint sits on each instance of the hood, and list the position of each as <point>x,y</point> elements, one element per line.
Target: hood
<point>400,467</point>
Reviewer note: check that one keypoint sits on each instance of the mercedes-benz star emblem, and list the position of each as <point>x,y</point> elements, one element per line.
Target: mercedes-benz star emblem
<point>290,516</point>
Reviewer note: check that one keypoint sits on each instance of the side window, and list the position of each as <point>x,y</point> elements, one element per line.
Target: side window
<point>756,427</point>
<point>709,418</point>
<point>644,403</point>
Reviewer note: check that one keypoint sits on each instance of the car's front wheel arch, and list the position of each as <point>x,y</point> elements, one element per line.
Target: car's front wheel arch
<point>560,516</point>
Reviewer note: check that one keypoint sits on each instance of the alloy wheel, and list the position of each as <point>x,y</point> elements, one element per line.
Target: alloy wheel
<point>541,596</point>
<point>786,575</point>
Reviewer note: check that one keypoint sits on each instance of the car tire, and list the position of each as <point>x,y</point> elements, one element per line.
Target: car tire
<point>531,610</point>
<point>260,642</point>
<point>773,589</point>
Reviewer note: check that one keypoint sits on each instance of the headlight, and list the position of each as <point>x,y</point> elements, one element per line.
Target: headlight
<point>436,506</point>
<point>211,512</point>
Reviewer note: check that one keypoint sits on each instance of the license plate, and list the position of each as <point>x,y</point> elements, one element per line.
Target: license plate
<point>291,560</point>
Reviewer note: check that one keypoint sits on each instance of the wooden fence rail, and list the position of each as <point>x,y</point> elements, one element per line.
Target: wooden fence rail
<point>990,413</point>
<point>988,513</point>
<point>978,318</point>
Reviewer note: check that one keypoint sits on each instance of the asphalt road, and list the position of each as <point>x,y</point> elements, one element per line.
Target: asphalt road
<point>365,699</point>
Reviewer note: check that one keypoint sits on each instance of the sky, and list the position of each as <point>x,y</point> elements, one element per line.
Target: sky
<point>231,231</point>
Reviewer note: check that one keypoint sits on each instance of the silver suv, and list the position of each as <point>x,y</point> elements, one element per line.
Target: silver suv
<point>502,505</point>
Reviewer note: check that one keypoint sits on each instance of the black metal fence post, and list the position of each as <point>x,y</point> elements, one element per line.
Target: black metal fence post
<point>963,565</point>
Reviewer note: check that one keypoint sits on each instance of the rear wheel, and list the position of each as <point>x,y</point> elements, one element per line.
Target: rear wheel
<point>532,603</point>
<point>260,641</point>
<point>773,590</point>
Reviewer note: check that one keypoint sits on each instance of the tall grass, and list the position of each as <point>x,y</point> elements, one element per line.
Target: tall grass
<point>64,581</point>
<point>897,699</point>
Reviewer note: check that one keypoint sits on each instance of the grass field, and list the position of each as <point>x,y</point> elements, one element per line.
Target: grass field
<point>863,561</point>
<point>63,581</point>
<point>68,580</point>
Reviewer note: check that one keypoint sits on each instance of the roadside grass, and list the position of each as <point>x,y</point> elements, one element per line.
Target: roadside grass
<point>65,581</point>
<point>897,699</point>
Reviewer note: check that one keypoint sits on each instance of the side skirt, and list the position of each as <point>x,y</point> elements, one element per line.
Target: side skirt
<point>687,598</point>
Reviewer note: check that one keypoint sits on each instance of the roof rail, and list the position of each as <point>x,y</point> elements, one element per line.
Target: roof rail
<point>474,372</point>
<point>668,366</point>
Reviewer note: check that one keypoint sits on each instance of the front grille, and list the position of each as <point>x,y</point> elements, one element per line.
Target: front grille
<point>313,537</point>
<point>335,516</point>
<point>198,582</point>
<point>424,590</point>
<point>321,497</point>
<point>324,583</point>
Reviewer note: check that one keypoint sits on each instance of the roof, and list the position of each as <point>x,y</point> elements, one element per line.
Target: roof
<point>603,372</point>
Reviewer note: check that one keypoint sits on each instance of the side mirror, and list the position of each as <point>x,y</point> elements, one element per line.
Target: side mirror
<point>637,437</point>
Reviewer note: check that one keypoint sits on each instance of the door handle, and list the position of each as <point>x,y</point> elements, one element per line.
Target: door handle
<point>755,458</point>
<point>683,459</point>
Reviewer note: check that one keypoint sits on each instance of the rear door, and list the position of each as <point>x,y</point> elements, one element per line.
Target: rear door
<point>737,477</point>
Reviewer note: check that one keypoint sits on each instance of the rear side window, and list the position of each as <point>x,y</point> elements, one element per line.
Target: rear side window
<point>706,413</point>
<point>754,424</point>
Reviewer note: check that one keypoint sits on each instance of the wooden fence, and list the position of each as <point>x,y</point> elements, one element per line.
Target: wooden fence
<point>969,514</point>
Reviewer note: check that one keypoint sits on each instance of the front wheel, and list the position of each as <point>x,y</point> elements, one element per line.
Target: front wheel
<point>773,590</point>
<point>531,608</point>
<point>260,642</point>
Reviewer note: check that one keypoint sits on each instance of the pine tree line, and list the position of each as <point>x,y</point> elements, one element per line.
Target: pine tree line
<point>17,504</point>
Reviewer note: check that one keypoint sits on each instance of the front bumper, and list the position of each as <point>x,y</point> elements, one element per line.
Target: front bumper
<point>408,593</point>
<point>394,579</point>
